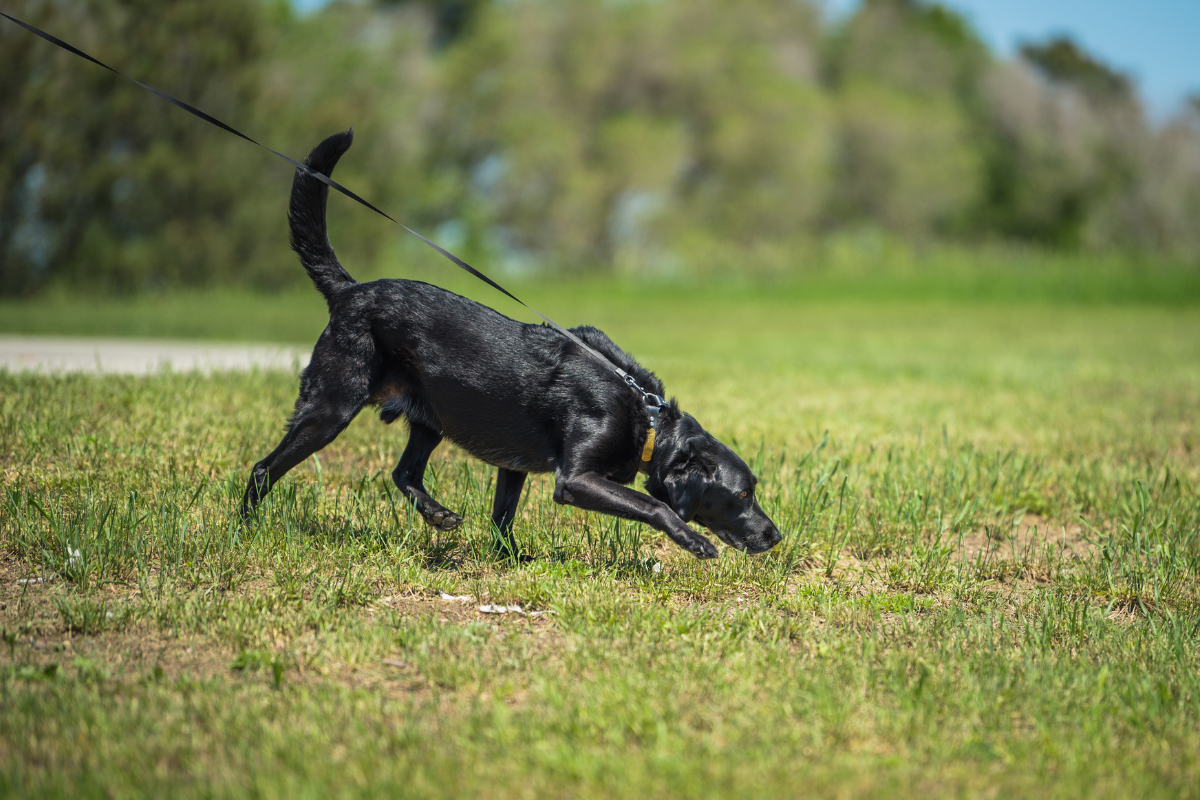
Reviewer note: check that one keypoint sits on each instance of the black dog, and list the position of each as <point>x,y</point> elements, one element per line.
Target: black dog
<point>521,397</point>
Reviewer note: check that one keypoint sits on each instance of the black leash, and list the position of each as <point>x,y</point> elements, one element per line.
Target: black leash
<point>653,402</point>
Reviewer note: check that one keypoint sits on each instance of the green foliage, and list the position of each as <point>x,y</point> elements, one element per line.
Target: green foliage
<point>451,17</point>
<point>908,162</point>
<point>914,47</point>
<point>593,131</point>
<point>1060,59</point>
<point>102,185</point>
<point>350,66</point>
<point>644,137</point>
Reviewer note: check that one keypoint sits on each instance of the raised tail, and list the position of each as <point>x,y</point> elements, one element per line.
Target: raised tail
<point>306,218</point>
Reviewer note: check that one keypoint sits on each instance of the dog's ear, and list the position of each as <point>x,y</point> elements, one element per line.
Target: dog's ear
<point>685,488</point>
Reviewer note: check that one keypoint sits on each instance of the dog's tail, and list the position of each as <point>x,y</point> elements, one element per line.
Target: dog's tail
<point>306,218</point>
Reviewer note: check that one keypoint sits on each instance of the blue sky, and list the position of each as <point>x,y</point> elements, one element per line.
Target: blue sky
<point>1157,42</point>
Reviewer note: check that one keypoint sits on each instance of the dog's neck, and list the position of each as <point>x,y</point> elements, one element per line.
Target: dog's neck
<point>664,437</point>
<point>649,445</point>
<point>648,451</point>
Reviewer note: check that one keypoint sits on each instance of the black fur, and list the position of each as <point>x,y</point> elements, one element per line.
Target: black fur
<point>520,397</point>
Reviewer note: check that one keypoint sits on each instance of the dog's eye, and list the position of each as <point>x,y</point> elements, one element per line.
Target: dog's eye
<point>742,496</point>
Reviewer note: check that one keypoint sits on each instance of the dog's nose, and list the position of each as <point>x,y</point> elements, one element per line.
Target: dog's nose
<point>766,541</point>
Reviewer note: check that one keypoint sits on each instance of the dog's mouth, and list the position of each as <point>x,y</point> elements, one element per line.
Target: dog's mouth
<point>753,545</point>
<point>729,539</point>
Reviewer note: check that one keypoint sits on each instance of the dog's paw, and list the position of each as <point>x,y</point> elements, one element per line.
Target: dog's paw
<point>443,519</point>
<point>703,548</point>
<point>503,553</point>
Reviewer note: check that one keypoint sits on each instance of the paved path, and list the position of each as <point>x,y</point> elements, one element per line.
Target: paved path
<point>141,356</point>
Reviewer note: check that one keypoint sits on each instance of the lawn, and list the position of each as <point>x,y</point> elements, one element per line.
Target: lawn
<point>988,584</point>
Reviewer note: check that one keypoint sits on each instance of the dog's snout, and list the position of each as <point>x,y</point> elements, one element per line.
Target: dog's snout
<point>765,541</point>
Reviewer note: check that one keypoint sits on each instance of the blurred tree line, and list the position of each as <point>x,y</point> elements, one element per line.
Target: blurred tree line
<point>581,134</point>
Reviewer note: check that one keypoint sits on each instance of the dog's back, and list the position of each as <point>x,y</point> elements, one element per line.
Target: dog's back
<point>491,384</point>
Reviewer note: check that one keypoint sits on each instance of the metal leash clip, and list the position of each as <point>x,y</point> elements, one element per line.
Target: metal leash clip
<point>654,406</point>
<point>654,403</point>
<point>653,411</point>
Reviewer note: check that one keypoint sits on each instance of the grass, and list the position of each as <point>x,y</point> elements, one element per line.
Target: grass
<point>851,269</point>
<point>988,584</point>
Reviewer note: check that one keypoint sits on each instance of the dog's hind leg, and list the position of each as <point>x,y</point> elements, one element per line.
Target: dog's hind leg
<point>330,398</point>
<point>409,477</point>
<point>504,509</point>
<point>317,422</point>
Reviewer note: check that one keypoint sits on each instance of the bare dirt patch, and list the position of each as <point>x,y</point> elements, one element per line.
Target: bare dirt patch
<point>1029,552</point>
<point>37,635</point>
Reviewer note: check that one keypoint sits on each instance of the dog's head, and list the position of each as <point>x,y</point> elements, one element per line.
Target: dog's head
<point>705,482</point>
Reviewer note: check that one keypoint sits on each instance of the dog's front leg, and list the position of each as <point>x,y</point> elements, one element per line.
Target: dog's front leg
<point>593,492</point>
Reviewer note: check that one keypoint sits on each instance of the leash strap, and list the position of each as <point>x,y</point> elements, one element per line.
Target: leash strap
<point>651,400</point>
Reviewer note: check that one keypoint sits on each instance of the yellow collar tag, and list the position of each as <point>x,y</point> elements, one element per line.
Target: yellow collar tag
<point>648,450</point>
